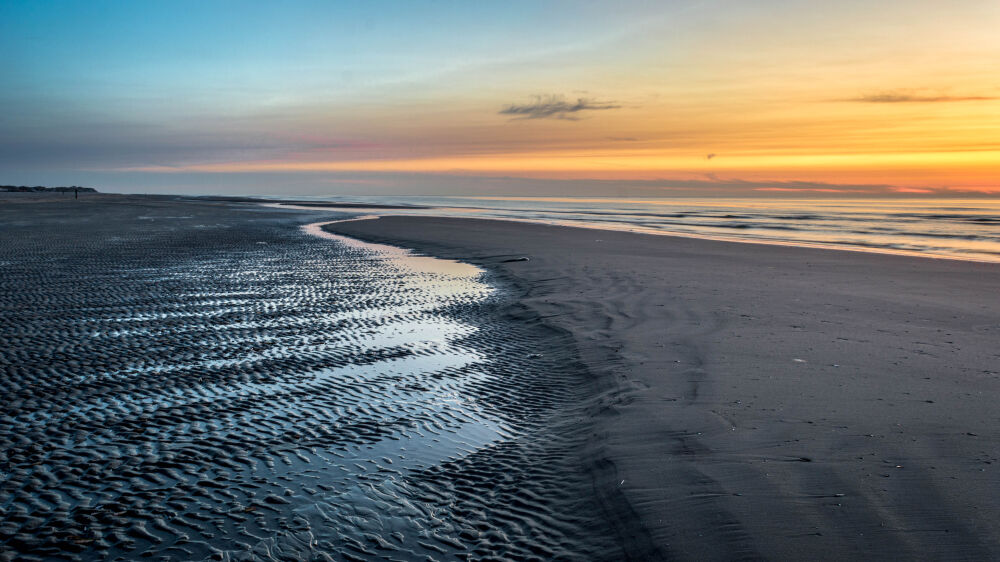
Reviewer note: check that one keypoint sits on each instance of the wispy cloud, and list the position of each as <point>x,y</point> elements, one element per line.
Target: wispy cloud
<point>810,190</point>
<point>555,107</point>
<point>899,97</point>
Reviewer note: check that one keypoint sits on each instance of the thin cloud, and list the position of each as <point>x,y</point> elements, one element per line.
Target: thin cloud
<point>555,107</point>
<point>896,97</point>
<point>805,186</point>
<point>809,190</point>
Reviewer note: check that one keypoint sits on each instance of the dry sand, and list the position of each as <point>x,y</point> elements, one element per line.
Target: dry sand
<point>764,401</point>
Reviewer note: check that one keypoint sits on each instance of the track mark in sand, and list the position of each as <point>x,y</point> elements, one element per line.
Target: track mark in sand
<point>200,393</point>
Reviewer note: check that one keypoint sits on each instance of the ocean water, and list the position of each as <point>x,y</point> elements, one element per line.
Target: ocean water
<point>946,228</point>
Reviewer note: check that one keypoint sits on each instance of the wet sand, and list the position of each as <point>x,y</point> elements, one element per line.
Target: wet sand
<point>758,401</point>
<point>187,380</point>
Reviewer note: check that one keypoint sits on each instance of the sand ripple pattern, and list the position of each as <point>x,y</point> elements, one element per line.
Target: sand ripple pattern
<point>208,386</point>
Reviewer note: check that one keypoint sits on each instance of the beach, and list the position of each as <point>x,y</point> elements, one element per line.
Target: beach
<point>762,401</point>
<point>189,378</point>
<point>526,281</point>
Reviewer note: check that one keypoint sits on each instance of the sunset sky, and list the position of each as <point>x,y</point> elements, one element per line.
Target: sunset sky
<point>672,97</point>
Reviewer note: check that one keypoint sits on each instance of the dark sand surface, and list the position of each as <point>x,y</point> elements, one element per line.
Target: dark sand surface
<point>766,401</point>
<point>184,380</point>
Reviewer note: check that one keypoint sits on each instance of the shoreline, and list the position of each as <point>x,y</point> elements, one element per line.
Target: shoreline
<point>733,240</point>
<point>886,248</point>
<point>757,400</point>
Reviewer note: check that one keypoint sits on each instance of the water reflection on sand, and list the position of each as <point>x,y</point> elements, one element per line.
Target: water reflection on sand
<point>251,392</point>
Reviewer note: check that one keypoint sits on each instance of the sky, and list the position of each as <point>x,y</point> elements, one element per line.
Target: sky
<point>673,97</point>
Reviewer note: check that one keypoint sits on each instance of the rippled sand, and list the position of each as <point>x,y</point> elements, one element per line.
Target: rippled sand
<point>194,380</point>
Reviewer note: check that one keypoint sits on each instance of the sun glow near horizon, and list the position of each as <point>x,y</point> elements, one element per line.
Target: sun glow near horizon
<point>960,170</point>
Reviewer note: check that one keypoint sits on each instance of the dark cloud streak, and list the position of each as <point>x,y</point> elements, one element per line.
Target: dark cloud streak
<point>555,107</point>
<point>894,97</point>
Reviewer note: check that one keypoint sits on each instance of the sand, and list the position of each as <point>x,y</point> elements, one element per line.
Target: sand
<point>757,401</point>
<point>195,380</point>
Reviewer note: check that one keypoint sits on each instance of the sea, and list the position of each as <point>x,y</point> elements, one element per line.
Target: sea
<point>964,229</point>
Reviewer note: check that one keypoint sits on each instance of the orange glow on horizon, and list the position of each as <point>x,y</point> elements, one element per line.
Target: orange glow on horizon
<point>910,172</point>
